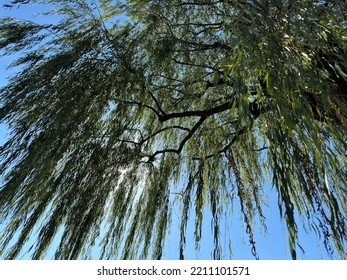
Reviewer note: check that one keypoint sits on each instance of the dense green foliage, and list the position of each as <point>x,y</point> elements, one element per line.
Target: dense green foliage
<point>181,103</point>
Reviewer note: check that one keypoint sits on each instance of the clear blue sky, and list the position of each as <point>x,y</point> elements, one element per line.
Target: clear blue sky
<point>272,246</point>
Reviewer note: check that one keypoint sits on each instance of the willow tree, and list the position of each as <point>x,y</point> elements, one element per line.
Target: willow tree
<point>123,110</point>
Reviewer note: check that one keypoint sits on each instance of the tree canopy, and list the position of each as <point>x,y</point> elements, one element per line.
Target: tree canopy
<point>123,110</point>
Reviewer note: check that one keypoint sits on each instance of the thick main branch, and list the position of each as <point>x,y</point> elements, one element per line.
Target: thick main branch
<point>198,113</point>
